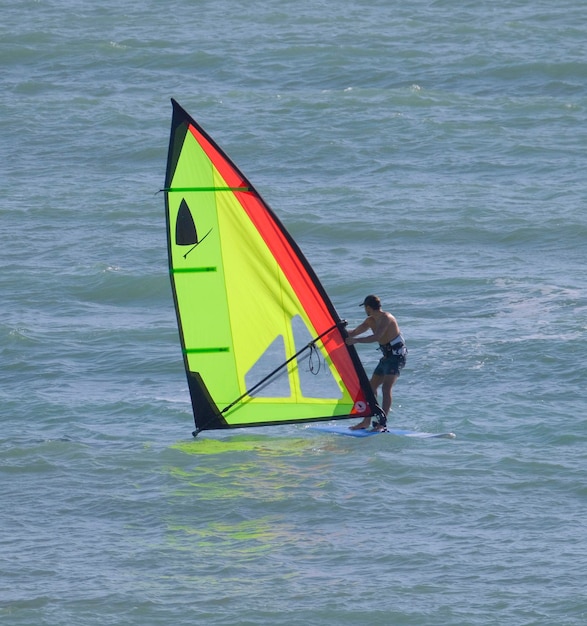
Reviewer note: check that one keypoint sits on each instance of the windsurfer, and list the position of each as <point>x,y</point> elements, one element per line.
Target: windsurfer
<point>385,330</point>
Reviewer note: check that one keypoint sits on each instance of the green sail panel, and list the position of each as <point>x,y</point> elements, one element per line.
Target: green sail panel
<point>262,343</point>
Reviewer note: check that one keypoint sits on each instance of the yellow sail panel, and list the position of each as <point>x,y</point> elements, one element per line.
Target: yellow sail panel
<point>262,343</point>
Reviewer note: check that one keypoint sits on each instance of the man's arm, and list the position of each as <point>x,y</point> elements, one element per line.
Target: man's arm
<point>360,329</point>
<point>368,324</point>
<point>379,330</point>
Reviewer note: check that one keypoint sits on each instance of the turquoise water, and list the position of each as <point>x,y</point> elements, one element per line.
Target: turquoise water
<point>429,152</point>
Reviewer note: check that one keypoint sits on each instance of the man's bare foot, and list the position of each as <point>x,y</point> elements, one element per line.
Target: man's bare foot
<point>361,425</point>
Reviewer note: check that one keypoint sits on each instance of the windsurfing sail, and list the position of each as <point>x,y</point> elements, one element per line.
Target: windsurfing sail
<point>262,343</point>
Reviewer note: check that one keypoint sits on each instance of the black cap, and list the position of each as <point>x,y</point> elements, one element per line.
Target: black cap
<point>371,301</point>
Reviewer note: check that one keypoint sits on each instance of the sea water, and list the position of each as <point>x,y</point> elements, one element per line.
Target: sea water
<point>431,152</point>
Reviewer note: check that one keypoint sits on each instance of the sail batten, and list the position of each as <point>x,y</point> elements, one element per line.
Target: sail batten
<point>215,189</point>
<point>192,270</point>
<point>204,350</point>
<point>248,303</point>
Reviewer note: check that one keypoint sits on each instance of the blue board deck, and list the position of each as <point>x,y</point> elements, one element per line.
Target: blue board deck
<point>345,430</point>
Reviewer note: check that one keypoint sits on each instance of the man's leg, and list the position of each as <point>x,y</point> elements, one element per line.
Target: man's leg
<point>387,384</point>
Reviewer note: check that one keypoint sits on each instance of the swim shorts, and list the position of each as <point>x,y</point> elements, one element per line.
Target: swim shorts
<point>390,365</point>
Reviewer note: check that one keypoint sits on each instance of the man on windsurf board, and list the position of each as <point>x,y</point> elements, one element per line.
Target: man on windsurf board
<point>385,330</point>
